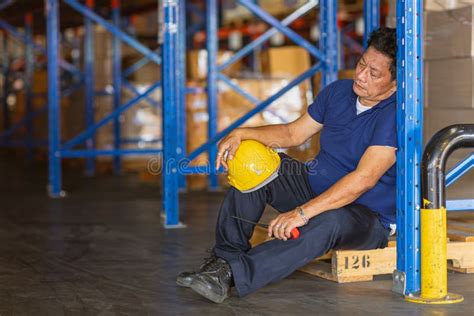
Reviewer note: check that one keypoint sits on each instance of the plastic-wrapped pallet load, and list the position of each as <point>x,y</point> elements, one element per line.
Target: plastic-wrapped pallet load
<point>449,71</point>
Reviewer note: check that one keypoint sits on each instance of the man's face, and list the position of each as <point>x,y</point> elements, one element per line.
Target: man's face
<point>372,80</point>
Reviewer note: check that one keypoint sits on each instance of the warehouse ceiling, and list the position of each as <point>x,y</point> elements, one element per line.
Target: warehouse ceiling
<point>15,13</point>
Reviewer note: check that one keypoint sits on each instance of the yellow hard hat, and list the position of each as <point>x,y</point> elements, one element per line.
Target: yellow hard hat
<point>253,166</point>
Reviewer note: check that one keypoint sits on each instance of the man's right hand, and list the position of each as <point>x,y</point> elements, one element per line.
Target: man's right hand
<point>227,148</point>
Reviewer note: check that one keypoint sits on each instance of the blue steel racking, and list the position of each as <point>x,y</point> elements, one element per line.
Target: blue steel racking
<point>58,150</point>
<point>409,94</point>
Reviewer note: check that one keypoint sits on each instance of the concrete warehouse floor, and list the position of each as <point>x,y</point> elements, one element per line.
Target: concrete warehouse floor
<point>103,250</point>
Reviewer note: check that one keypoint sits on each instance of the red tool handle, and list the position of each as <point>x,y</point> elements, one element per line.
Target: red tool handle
<point>295,233</point>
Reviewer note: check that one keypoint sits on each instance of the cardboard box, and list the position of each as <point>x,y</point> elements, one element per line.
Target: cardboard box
<point>450,83</point>
<point>288,62</point>
<point>197,64</point>
<point>449,34</point>
<point>444,5</point>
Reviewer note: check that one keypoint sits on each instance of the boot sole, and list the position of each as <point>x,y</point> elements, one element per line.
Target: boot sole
<point>183,284</point>
<point>201,288</point>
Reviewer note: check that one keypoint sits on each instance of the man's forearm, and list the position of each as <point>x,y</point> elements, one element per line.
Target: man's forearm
<point>271,135</point>
<point>342,193</point>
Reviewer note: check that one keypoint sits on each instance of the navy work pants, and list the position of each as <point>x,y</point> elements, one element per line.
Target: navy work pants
<point>350,227</point>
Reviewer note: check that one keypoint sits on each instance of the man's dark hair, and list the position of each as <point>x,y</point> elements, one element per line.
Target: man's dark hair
<point>384,40</point>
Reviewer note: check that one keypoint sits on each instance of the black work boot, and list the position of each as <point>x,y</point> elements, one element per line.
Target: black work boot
<point>184,279</point>
<point>214,283</point>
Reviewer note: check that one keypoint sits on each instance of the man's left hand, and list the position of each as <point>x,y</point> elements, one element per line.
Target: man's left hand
<point>281,226</point>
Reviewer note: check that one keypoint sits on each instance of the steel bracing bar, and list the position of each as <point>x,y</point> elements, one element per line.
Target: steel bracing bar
<point>269,33</point>
<point>19,36</point>
<point>410,133</point>
<point>139,64</point>
<point>245,94</point>
<point>310,72</point>
<point>98,152</point>
<point>295,37</point>
<point>90,131</point>
<point>30,116</point>
<point>114,30</point>
<point>459,170</point>
<point>134,90</point>
<point>371,18</point>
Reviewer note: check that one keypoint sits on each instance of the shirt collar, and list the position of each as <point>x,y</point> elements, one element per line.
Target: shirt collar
<point>392,98</point>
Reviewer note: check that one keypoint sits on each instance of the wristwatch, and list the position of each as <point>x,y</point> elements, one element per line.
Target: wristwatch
<point>303,216</point>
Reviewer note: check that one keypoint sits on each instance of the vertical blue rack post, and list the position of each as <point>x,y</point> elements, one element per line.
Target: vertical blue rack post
<point>182,88</point>
<point>171,102</point>
<point>328,45</point>
<point>371,18</point>
<point>410,133</point>
<point>29,68</point>
<point>89,84</point>
<point>212,47</point>
<point>117,81</point>
<point>52,29</point>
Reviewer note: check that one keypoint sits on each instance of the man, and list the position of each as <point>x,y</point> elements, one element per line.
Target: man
<point>344,198</point>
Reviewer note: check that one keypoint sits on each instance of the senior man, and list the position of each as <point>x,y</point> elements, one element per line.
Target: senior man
<point>344,198</point>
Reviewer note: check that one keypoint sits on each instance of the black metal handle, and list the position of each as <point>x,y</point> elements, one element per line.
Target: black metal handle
<point>437,152</point>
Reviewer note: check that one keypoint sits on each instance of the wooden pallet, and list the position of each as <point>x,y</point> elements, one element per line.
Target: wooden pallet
<point>344,266</point>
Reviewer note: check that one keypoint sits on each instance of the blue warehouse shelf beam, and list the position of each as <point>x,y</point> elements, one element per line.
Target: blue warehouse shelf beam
<point>139,64</point>
<point>52,30</point>
<point>329,42</point>
<point>181,73</point>
<point>371,18</point>
<point>295,37</point>
<point>410,127</point>
<point>117,82</point>
<point>115,113</point>
<point>66,150</point>
<point>247,49</point>
<point>130,87</point>
<point>212,43</point>
<point>459,170</point>
<point>89,84</point>
<point>114,30</point>
<point>21,37</point>
<point>170,107</point>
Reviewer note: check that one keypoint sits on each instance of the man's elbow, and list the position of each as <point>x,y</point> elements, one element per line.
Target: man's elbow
<point>366,183</point>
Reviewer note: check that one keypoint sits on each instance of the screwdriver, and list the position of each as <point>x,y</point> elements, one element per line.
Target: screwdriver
<point>295,233</point>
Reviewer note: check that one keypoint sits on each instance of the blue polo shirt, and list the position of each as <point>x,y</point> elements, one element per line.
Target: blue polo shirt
<point>344,139</point>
